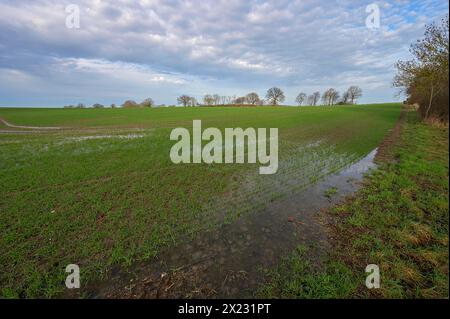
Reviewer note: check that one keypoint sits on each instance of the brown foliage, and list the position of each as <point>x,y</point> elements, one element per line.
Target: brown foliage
<point>425,78</point>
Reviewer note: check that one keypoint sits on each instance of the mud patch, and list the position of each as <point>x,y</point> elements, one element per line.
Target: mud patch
<point>98,137</point>
<point>385,152</point>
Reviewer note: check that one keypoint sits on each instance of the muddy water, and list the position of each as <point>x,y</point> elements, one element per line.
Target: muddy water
<point>230,262</point>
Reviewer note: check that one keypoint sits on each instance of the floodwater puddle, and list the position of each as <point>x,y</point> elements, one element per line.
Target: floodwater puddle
<point>230,262</point>
<point>98,137</point>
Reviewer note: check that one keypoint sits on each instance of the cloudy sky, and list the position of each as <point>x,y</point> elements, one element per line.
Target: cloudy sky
<point>164,48</point>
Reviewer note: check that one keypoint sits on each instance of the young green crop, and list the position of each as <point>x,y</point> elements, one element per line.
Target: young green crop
<point>106,193</point>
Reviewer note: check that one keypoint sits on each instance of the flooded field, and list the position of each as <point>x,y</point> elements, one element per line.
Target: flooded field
<point>231,262</point>
<point>109,198</point>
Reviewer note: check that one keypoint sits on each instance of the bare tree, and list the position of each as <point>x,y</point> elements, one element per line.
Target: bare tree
<point>334,97</point>
<point>275,95</point>
<point>345,98</point>
<point>129,104</point>
<point>184,100</point>
<point>330,96</point>
<point>353,93</point>
<point>252,98</point>
<point>192,101</point>
<point>316,97</point>
<point>208,99</point>
<point>326,97</point>
<point>148,103</point>
<point>310,100</point>
<point>216,99</point>
<point>240,100</point>
<point>300,98</point>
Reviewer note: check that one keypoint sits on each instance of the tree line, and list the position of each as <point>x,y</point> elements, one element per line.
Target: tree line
<point>127,104</point>
<point>424,78</point>
<point>330,97</point>
<point>274,96</point>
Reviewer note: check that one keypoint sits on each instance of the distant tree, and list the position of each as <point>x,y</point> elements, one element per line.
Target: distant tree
<point>316,97</point>
<point>326,97</point>
<point>129,104</point>
<point>216,99</point>
<point>353,93</point>
<point>275,96</point>
<point>252,98</point>
<point>148,103</point>
<point>223,100</point>
<point>300,98</point>
<point>98,106</point>
<point>184,100</point>
<point>240,100</point>
<point>345,98</point>
<point>334,97</point>
<point>208,99</point>
<point>113,106</point>
<point>192,101</point>
<point>310,100</point>
<point>69,106</point>
<point>330,96</point>
<point>81,106</point>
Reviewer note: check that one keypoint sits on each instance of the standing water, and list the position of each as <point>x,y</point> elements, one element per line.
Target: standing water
<point>229,262</point>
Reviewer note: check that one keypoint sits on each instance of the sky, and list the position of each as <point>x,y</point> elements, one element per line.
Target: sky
<point>161,49</point>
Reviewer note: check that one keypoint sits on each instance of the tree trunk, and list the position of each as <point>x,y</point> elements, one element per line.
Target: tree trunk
<point>430,102</point>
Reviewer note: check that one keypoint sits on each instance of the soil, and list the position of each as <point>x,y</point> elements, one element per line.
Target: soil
<point>385,150</point>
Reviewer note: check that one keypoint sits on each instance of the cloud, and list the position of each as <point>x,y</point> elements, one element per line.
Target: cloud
<point>137,74</point>
<point>127,49</point>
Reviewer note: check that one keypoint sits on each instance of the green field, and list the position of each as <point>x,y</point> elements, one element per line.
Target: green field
<point>104,192</point>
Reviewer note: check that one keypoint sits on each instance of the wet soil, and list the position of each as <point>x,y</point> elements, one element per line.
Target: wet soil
<point>385,149</point>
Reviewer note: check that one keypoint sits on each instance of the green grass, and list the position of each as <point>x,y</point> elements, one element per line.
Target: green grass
<point>299,277</point>
<point>398,221</point>
<point>330,192</point>
<point>113,201</point>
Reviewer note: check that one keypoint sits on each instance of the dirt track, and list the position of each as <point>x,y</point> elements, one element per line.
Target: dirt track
<point>385,150</point>
<point>30,127</point>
